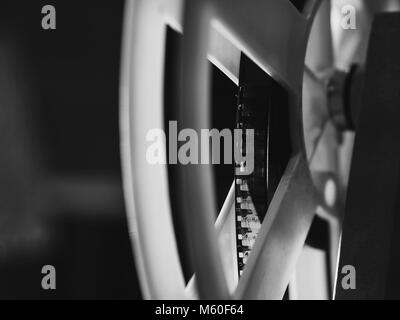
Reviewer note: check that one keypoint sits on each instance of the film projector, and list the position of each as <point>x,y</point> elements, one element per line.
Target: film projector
<point>316,219</point>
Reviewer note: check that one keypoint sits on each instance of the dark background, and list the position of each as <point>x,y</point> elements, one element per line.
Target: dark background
<point>61,200</point>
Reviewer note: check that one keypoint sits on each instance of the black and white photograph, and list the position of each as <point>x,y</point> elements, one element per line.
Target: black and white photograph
<point>218,151</point>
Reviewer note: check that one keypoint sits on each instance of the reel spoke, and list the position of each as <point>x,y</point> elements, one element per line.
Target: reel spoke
<point>246,24</point>
<point>251,26</point>
<point>282,235</point>
<point>312,77</point>
<point>224,55</point>
<point>226,229</point>
<point>315,111</point>
<point>273,34</point>
<point>319,57</point>
<point>143,73</point>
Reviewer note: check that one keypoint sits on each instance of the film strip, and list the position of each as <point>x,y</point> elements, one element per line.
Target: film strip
<point>251,196</point>
<point>262,105</point>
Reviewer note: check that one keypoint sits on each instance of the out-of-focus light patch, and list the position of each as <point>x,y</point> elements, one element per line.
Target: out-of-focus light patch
<point>330,192</point>
<point>23,239</point>
<point>392,6</point>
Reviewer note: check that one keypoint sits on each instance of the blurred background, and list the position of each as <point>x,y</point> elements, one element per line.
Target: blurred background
<point>61,200</point>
